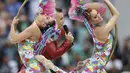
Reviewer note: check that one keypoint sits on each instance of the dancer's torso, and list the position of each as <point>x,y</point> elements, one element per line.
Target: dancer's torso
<point>100,56</point>
<point>104,48</point>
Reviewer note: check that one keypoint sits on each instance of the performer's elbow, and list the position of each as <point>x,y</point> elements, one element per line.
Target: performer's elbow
<point>118,14</point>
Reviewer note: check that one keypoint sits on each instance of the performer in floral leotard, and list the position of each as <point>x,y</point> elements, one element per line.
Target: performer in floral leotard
<point>27,39</point>
<point>34,38</point>
<point>90,14</point>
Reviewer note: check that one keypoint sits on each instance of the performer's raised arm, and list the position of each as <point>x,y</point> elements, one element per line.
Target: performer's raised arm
<point>115,15</point>
<point>100,7</point>
<point>15,37</point>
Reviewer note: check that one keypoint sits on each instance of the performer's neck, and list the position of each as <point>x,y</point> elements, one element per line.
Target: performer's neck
<point>37,23</point>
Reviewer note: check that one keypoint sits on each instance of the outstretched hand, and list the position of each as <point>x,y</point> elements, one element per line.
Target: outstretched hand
<point>15,21</point>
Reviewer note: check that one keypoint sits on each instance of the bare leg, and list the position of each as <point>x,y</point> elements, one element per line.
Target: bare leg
<point>48,64</point>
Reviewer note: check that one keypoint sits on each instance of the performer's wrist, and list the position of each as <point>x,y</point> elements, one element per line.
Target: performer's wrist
<point>55,68</point>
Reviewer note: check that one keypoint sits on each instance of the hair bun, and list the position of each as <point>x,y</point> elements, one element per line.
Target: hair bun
<point>89,10</point>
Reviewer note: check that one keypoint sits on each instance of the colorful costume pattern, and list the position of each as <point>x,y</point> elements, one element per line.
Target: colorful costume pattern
<point>27,55</point>
<point>96,63</point>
